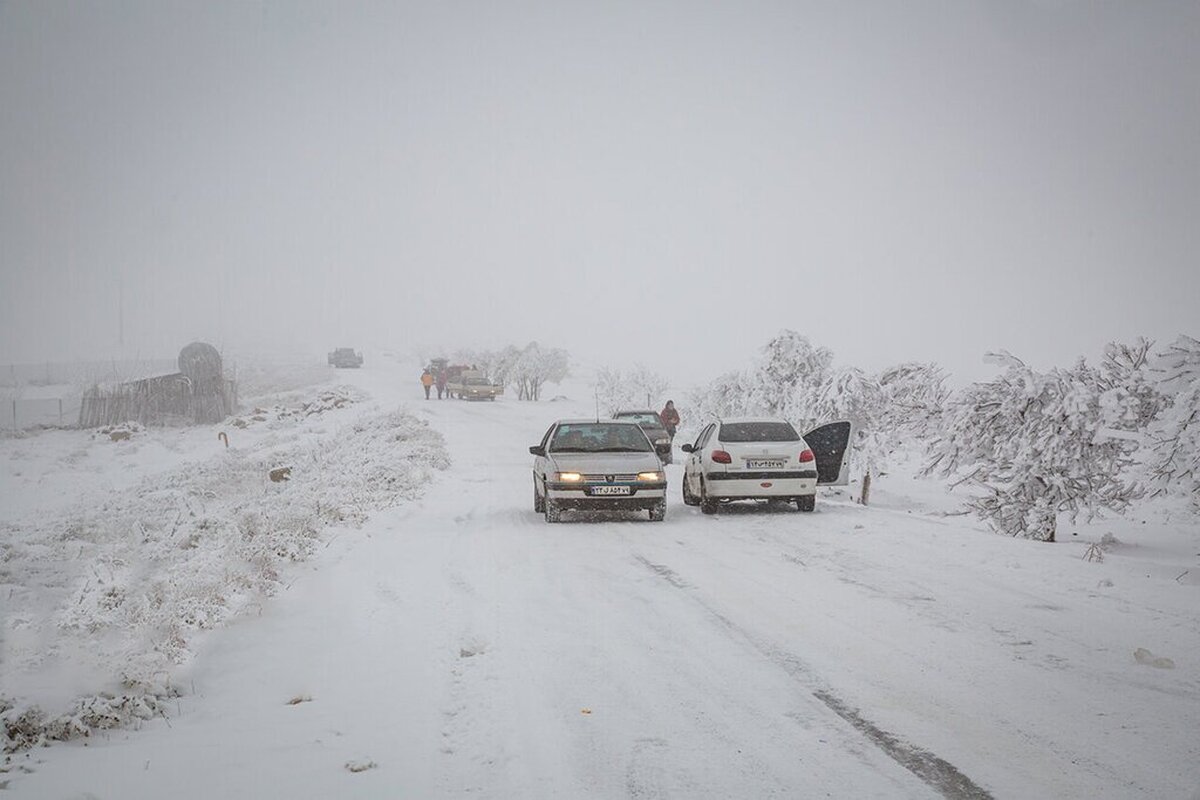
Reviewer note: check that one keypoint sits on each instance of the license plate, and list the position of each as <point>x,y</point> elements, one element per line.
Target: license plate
<point>762,463</point>
<point>610,490</point>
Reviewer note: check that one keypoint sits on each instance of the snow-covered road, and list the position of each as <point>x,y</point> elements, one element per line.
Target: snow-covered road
<point>458,645</point>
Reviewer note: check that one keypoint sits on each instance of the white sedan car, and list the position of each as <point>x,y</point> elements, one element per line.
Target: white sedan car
<point>763,459</point>
<point>597,465</point>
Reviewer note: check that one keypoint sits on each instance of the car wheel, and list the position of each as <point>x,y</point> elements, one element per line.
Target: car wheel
<point>806,502</point>
<point>659,512</point>
<point>688,498</point>
<point>539,505</point>
<point>707,504</point>
<point>553,512</point>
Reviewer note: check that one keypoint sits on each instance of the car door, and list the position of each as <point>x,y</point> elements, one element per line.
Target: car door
<point>539,462</point>
<point>830,444</point>
<point>695,464</point>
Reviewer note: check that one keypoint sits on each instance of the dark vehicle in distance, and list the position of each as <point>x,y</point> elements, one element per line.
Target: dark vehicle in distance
<point>345,357</point>
<point>651,425</point>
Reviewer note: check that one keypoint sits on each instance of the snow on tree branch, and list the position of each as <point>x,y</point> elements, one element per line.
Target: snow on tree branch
<point>1032,446</point>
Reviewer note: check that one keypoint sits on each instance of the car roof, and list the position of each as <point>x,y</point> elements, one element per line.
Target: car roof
<point>635,411</point>
<point>592,421</point>
<point>741,420</point>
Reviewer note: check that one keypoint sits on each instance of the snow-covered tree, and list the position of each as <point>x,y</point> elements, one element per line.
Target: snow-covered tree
<point>638,387</point>
<point>913,396</point>
<point>536,366</point>
<point>1034,445</point>
<point>848,393</point>
<point>789,374</point>
<point>1175,433</point>
<point>727,396</point>
<point>1131,398</point>
<point>495,364</point>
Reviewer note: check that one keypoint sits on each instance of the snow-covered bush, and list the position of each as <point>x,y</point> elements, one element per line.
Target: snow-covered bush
<point>1034,445</point>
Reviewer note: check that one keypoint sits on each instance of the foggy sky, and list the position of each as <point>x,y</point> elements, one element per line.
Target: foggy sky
<point>666,183</point>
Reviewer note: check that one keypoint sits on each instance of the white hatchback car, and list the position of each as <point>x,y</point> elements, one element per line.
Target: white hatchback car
<point>597,465</point>
<point>763,458</point>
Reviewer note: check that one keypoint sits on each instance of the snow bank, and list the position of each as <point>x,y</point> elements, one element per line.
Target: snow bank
<point>112,593</point>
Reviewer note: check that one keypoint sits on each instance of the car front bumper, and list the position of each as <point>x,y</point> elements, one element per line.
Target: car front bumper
<point>573,495</point>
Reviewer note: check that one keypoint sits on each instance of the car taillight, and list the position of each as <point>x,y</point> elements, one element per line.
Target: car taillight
<point>721,457</point>
<point>807,456</point>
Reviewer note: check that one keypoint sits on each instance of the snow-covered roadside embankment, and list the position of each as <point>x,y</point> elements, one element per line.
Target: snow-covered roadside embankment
<point>111,595</point>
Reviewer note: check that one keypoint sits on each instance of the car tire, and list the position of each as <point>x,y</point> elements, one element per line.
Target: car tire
<point>689,499</point>
<point>806,502</point>
<point>707,504</point>
<point>552,511</point>
<point>659,512</point>
<point>539,504</point>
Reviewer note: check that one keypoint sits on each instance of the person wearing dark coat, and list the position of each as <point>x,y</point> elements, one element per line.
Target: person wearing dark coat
<point>670,418</point>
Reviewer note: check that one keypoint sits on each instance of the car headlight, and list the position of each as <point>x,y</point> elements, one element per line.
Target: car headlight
<point>651,477</point>
<point>568,477</point>
<point>661,442</point>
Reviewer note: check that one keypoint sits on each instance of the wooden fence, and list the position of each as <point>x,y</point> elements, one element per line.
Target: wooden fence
<point>164,400</point>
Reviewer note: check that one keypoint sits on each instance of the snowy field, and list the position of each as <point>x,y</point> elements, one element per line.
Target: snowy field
<point>393,620</point>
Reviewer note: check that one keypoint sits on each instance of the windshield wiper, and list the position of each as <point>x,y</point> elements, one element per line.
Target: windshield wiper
<point>620,450</point>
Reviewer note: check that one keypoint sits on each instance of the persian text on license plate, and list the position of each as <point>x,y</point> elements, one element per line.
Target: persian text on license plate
<point>760,463</point>
<point>610,490</point>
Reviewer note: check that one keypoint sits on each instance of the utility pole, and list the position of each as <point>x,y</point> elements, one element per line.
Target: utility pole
<point>121,312</point>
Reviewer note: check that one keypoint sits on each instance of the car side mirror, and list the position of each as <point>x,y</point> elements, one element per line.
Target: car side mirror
<point>687,448</point>
<point>537,450</point>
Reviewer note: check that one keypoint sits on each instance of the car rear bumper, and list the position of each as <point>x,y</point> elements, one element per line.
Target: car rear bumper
<point>748,485</point>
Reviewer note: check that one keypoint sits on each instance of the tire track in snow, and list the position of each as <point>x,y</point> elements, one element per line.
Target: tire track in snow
<point>936,772</point>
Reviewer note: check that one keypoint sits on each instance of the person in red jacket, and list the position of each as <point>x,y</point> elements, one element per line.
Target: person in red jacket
<point>670,418</point>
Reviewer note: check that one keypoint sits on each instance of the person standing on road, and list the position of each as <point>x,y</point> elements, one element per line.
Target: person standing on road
<point>426,381</point>
<point>670,418</point>
<point>441,383</point>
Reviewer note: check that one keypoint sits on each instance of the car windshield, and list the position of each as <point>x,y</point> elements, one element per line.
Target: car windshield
<point>599,437</point>
<point>649,419</point>
<point>758,432</point>
<point>475,381</point>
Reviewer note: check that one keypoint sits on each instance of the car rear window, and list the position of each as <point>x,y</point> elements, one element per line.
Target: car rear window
<point>599,437</point>
<point>758,432</point>
<point>642,419</point>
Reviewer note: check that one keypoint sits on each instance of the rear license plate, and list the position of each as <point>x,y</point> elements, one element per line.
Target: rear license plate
<point>609,490</point>
<point>762,463</point>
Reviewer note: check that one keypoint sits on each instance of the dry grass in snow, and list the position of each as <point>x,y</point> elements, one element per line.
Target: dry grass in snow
<point>116,591</point>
